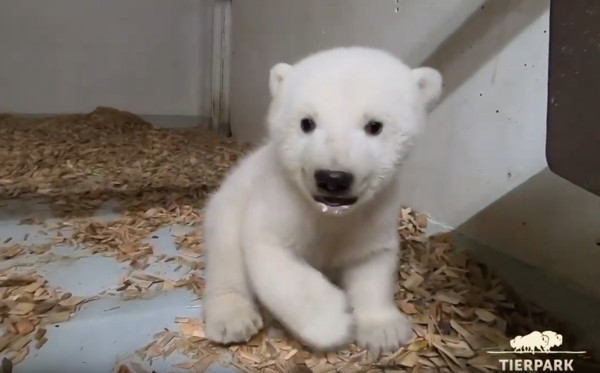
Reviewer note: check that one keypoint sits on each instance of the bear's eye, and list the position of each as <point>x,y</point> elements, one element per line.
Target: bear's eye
<point>307,125</point>
<point>373,128</point>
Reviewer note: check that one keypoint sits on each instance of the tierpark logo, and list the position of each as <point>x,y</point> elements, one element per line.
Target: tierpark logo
<point>538,343</point>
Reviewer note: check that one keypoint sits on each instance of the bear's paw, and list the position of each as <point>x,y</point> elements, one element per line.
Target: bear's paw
<point>231,318</point>
<point>383,331</point>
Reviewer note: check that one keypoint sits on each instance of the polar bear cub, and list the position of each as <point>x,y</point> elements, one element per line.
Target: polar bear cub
<point>306,225</point>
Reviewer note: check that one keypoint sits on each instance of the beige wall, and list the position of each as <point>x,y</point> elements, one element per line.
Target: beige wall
<point>147,56</point>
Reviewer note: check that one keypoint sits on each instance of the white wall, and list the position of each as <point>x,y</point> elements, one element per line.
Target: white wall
<point>146,56</point>
<point>266,32</point>
<point>490,130</point>
<point>480,167</point>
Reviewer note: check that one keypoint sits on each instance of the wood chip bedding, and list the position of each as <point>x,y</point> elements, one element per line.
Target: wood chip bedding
<point>161,177</point>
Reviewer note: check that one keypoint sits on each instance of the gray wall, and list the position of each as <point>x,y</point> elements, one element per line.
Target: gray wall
<point>146,56</point>
<point>266,32</point>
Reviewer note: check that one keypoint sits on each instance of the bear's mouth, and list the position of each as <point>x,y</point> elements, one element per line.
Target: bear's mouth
<point>334,201</point>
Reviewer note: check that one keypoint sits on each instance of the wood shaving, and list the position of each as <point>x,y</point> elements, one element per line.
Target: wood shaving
<point>16,250</point>
<point>141,285</point>
<point>10,252</point>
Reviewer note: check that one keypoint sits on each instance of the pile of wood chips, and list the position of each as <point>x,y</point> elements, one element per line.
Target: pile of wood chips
<point>27,307</point>
<point>80,161</point>
<point>160,178</point>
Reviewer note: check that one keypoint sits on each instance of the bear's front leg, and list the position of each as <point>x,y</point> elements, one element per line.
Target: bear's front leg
<point>380,326</point>
<point>230,311</point>
<point>299,296</point>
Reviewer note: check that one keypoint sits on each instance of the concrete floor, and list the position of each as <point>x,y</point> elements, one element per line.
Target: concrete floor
<point>109,330</point>
<point>106,331</point>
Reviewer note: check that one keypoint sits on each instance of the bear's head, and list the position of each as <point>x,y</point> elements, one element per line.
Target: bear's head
<point>343,120</point>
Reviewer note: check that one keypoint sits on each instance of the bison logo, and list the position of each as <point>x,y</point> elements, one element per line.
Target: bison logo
<point>536,341</point>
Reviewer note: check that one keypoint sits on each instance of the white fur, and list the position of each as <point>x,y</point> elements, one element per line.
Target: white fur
<point>268,241</point>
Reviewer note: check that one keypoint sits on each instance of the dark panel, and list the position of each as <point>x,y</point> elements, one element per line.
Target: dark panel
<point>573,139</point>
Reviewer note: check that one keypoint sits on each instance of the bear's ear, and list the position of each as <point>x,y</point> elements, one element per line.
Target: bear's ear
<point>429,82</point>
<point>276,77</point>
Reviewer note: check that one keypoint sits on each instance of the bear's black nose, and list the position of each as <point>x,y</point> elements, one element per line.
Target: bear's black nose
<point>334,182</point>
